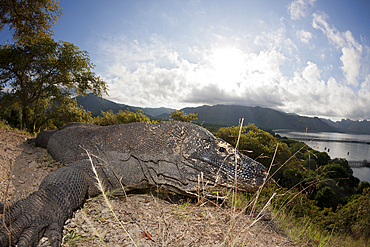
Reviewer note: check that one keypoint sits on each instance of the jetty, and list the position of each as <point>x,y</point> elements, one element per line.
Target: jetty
<point>363,163</point>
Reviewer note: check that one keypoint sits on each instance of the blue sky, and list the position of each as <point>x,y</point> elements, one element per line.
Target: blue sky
<point>304,56</point>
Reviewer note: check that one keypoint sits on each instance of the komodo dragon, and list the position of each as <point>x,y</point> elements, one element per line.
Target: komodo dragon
<point>137,155</point>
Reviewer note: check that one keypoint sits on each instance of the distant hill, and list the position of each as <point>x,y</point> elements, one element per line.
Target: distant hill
<point>261,117</point>
<point>228,115</point>
<point>153,112</point>
<point>96,104</point>
<point>347,125</point>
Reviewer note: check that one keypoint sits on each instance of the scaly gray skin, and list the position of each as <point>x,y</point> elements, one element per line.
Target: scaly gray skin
<point>138,155</point>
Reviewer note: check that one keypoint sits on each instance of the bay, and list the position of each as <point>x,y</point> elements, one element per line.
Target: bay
<point>351,151</point>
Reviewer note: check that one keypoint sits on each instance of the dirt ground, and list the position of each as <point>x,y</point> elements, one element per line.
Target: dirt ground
<point>146,220</point>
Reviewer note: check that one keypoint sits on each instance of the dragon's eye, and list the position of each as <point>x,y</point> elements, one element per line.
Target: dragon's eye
<point>222,149</point>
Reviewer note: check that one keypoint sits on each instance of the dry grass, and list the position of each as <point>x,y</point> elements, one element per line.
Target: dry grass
<point>160,218</point>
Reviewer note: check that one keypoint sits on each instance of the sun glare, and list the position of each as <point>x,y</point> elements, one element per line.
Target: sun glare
<point>229,64</point>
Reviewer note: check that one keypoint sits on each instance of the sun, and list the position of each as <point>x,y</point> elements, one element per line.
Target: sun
<point>229,63</point>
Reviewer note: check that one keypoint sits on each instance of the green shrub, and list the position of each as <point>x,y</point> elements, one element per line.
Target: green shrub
<point>122,117</point>
<point>183,117</point>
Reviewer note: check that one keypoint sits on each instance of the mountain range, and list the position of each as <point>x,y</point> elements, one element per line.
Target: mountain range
<point>96,105</point>
<point>228,115</point>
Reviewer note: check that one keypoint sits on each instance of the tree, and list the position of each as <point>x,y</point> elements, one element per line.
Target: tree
<point>183,117</point>
<point>122,117</point>
<point>59,114</point>
<point>29,20</point>
<point>325,197</point>
<point>44,74</point>
<point>363,185</point>
<point>255,143</point>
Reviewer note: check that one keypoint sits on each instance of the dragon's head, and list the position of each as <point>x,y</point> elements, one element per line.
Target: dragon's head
<point>217,160</point>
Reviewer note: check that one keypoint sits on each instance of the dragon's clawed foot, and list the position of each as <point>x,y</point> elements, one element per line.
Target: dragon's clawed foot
<point>27,221</point>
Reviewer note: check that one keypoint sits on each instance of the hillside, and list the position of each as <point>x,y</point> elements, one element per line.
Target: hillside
<point>261,117</point>
<point>96,104</point>
<point>359,127</point>
<point>227,115</point>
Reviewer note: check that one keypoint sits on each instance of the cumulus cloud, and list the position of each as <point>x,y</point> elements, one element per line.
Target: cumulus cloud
<point>257,85</point>
<point>260,82</point>
<point>363,98</point>
<point>151,74</point>
<point>154,73</point>
<point>350,48</point>
<point>306,93</point>
<point>299,8</point>
<point>304,36</point>
<point>275,38</point>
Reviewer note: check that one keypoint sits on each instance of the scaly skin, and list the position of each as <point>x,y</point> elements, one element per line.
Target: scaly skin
<point>137,155</point>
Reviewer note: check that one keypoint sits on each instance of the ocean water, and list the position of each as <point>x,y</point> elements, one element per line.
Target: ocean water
<point>349,151</point>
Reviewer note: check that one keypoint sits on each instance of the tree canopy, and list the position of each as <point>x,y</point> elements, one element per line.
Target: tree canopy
<point>255,143</point>
<point>122,117</point>
<point>29,20</point>
<point>44,75</point>
<point>183,117</point>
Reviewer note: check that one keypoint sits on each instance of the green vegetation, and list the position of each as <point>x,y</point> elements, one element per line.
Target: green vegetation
<point>313,190</point>
<point>29,21</point>
<point>38,75</point>
<point>257,144</point>
<point>71,112</point>
<point>109,118</point>
<point>42,78</point>
<point>183,117</point>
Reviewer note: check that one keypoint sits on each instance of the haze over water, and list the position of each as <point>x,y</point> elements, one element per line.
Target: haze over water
<point>349,151</point>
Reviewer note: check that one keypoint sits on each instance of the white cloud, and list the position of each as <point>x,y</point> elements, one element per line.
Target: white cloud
<point>275,38</point>
<point>304,36</point>
<point>151,74</point>
<point>260,82</point>
<point>350,48</point>
<point>156,73</point>
<point>363,110</point>
<point>319,22</point>
<point>299,8</point>
<point>311,73</point>
<point>306,93</point>
<point>351,64</point>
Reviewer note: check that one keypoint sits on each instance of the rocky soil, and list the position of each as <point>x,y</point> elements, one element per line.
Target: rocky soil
<point>144,219</point>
